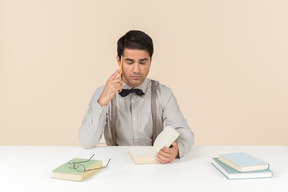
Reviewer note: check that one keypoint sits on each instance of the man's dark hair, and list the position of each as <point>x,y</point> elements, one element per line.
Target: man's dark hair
<point>135,39</point>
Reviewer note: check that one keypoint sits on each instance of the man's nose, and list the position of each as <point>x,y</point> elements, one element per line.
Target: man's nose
<point>136,68</point>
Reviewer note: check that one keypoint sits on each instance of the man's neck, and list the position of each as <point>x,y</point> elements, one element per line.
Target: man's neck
<point>132,85</point>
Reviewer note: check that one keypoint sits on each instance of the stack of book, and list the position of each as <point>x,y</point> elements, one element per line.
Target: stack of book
<point>241,166</point>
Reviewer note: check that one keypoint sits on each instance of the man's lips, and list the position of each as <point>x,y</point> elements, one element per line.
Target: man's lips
<point>135,76</point>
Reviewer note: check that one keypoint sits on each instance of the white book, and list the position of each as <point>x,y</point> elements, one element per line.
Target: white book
<point>243,161</point>
<point>147,154</point>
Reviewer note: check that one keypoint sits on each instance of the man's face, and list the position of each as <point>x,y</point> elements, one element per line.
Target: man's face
<point>136,65</point>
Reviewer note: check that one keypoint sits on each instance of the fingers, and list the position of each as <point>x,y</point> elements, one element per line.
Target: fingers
<point>112,85</point>
<point>164,158</point>
<point>119,84</point>
<point>167,155</point>
<point>116,81</point>
<point>114,75</point>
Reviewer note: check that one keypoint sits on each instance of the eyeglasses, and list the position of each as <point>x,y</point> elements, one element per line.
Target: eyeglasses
<point>81,168</point>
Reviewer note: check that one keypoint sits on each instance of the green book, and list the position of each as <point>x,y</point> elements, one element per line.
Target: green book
<point>231,173</point>
<point>67,173</point>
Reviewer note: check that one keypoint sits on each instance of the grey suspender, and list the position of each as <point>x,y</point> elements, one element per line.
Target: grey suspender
<point>156,129</point>
<point>113,121</point>
<point>153,108</point>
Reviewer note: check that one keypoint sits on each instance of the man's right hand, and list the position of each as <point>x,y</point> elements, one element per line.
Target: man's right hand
<point>112,85</point>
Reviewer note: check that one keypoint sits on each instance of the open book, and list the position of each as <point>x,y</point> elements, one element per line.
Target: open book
<point>147,154</point>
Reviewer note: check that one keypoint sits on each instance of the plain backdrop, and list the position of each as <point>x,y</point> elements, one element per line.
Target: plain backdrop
<point>225,60</point>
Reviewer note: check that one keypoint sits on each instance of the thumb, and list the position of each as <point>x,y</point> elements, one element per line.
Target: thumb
<point>120,89</point>
<point>174,144</point>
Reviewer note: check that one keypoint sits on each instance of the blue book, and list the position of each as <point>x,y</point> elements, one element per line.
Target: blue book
<point>231,173</point>
<point>243,162</point>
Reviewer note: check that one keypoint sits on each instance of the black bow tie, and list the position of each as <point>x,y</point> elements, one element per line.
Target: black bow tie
<point>126,92</point>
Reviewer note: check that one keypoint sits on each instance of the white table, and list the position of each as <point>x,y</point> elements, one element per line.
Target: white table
<point>30,168</point>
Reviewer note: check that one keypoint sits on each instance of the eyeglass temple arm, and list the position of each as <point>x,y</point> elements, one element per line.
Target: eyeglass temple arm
<point>99,167</point>
<point>107,163</point>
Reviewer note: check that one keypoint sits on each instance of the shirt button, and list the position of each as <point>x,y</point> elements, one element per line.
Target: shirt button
<point>134,118</point>
<point>132,101</point>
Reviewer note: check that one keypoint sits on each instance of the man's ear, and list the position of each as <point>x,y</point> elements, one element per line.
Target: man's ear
<point>118,60</point>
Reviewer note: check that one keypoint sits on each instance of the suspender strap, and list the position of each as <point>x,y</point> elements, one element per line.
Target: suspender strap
<point>113,121</point>
<point>153,109</point>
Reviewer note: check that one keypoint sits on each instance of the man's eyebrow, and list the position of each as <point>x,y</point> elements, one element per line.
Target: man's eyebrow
<point>132,60</point>
<point>128,59</point>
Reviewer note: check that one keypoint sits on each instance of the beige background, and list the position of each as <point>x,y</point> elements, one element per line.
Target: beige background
<point>226,62</point>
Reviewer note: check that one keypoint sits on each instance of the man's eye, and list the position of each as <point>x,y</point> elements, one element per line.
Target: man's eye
<point>142,63</point>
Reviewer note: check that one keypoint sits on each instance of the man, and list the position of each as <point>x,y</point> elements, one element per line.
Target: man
<point>123,109</point>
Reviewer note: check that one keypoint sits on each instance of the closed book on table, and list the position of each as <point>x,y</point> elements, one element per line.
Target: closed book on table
<point>231,173</point>
<point>67,173</point>
<point>243,162</point>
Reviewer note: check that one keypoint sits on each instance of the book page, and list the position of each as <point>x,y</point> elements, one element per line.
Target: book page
<point>143,151</point>
<point>166,138</point>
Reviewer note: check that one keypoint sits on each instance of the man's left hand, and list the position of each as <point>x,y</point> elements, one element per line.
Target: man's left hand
<point>167,155</point>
